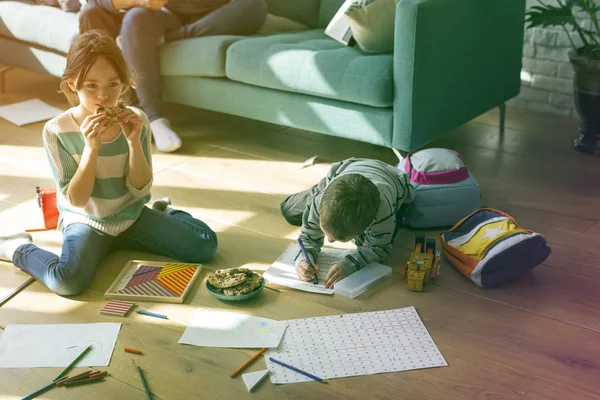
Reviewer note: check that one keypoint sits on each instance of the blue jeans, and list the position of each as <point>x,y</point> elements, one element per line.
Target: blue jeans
<point>175,234</point>
<point>141,28</point>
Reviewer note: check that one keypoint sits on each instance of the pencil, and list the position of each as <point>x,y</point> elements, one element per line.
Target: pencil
<point>129,350</point>
<point>250,361</point>
<point>316,281</point>
<point>83,381</point>
<point>151,314</point>
<point>316,378</point>
<point>148,395</point>
<point>38,230</point>
<point>98,374</point>
<point>69,378</point>
<point>40,391</point>
<point>75,361</point>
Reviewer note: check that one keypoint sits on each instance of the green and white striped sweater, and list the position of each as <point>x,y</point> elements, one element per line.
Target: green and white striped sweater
<point>114,204</point>
<point>375,243</point>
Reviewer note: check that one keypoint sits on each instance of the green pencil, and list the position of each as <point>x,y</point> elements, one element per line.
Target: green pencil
<point>148,395</point>
<point>75,361</point>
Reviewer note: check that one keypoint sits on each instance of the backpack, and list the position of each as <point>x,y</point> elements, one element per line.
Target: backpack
<point>491,249</point>
<point>445,191</point>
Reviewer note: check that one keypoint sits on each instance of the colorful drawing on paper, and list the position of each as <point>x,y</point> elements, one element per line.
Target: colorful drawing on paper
<point>117,308</point>
<point>154,281</point>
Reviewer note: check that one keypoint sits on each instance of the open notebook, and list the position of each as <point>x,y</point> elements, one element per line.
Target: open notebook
<point>283,272</point>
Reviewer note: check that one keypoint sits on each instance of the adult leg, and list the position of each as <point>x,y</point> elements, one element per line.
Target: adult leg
<point>71,273</point>
<point>293,206</point>
<point>94,17</point>
<point>140,32</point>
<point>174,234</point>
<point>239,17</point>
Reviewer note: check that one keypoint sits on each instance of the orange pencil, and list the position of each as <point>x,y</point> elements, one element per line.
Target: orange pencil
<point>83,381</point>
<point>129,350</point>
<point>254,357</point>
<point>72,377</point>
<point>38,230</point>
<point>98,374</point>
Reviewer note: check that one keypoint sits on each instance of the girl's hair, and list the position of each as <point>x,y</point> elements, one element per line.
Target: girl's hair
<point>84,51</point>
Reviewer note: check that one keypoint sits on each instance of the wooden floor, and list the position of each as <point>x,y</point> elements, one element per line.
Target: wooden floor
<point>538,338</point>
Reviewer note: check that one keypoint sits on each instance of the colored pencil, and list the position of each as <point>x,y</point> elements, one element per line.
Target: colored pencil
<point>69,378</point>
<point>84,381</point>
<point>75,361</point>
<point>98,374</point>
<point>148,395</point>
<point>316,378</point>
<point>316,281</point>
<point>151,314</point>
<point>250,361</point>
<point>39,229</point>
<point>79,378</point>
<point>129,350</point>
<point>16,291</point>
<point>42,390</point>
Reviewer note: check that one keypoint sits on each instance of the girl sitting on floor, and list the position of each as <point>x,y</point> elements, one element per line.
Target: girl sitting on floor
<point>102,166</point>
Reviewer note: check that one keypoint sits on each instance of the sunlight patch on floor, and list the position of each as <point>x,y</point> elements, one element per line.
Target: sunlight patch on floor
<point>43,302</point>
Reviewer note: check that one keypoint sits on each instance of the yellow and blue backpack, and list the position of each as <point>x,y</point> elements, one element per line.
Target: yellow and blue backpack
<point>489,248</point>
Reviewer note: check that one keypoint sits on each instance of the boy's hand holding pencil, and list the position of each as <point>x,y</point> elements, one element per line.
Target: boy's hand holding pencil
<point>305,271</point>
<point>309,263</point>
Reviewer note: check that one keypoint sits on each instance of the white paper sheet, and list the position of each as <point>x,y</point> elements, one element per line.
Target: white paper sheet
<point>253,379</point>
<point>227,329</point>
<point>354,344</point>
<point>32,346</point>
<point>283,271</point>
<point>29,111</point>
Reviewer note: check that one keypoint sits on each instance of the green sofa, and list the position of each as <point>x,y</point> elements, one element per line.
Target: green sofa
<point>453,60</point>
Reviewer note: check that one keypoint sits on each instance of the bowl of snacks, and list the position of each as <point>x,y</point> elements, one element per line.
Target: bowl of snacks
<point>235,284</point>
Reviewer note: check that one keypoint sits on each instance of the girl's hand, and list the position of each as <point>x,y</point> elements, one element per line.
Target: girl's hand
<point>335,274</point>
<point>131,125</point>
<point>92,128</point>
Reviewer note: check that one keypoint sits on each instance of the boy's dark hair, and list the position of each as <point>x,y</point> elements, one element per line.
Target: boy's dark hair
<point>348,206</point>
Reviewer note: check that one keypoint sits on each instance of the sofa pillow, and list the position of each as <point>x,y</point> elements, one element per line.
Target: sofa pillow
<point>276,24</point>
<point>372,23</point>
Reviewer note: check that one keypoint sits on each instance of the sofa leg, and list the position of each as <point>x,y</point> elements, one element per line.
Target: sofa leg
<point>502,117</point>
<point>399,153</point>
<point>3,69</point>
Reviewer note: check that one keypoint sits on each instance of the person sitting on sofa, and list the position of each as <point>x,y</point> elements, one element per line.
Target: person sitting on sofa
<point>145,24</point>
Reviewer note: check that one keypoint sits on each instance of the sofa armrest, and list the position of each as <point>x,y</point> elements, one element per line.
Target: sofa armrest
<point>453,60</point>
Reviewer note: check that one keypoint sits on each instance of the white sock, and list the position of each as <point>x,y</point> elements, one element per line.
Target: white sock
<point>166,140</point>
<point>8,244</point>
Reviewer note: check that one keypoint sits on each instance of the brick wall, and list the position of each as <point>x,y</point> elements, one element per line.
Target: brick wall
<point>547,75</point>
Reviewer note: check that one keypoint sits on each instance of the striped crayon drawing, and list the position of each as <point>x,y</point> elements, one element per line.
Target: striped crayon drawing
<point>117,308</point>
<point>154,281</point>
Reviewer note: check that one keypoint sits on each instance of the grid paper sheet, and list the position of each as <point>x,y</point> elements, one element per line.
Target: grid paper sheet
<point>354,344</point>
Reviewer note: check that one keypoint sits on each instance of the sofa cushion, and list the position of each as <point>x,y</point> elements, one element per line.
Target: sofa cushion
<point>45,26</point>
<point>310,62</point>
<point>203,56</point>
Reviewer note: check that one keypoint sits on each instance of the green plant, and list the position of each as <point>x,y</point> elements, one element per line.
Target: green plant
<point>563,15</point>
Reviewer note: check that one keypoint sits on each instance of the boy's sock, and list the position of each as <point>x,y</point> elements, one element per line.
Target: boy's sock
<point>8,244</point>
<point>166,140</point>
<point>162,205</point>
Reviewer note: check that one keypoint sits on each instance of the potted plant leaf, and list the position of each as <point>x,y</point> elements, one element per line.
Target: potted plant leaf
<point>585,60</point>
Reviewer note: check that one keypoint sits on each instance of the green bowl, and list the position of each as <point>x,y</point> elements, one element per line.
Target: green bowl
<point>247,296</point>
